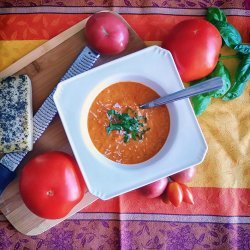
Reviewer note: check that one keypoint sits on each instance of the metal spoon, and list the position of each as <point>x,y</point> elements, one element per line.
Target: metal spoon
<point>200,88</point>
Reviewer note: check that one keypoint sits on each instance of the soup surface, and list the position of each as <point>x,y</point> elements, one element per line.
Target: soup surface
<point>111,116</point>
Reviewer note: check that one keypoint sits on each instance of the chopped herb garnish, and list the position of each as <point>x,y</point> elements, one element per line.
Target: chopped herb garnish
<point>128,123</point>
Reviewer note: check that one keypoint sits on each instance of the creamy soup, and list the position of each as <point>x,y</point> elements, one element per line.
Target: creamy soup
<point>123,132</point>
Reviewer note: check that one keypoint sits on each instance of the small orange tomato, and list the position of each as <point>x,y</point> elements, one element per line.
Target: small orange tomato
<point>174,193</point>
<point>164,198</point>
<point>187,194</point>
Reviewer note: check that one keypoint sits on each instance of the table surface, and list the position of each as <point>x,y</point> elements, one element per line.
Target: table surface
<point>220,217</point>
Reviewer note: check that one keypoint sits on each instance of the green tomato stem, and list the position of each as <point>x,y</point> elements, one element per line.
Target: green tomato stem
<point>228,57</point>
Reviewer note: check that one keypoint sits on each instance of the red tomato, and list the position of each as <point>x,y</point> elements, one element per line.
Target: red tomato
<point>154,189</point>
<point>195,45</point>
<point>184,176</point>
<point>107,33</point>
<point>174,193</point>
<point>51,184</point>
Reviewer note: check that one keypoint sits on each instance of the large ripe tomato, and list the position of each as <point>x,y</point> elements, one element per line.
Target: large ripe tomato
<point>51,184</point>
<point>195,45</point>
<point>107,33</point>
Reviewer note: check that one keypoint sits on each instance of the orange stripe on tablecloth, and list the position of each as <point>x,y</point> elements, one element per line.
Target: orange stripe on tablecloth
<point>45,26</point>
<point>209,201</point>
<point>153,27</point>
<point>36,26</point>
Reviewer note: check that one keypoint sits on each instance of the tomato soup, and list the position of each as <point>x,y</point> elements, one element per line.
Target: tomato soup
<point>123,132</point>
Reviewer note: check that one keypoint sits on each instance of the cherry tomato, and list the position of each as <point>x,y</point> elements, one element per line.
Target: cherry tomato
<point>107,33</point>
<point>154,189</point>
<point>184,176</point>
<point>51,184</point>
<point>195,45</point>
<point>174,193</point>
<point>187,194</point>
<point>165,198</point>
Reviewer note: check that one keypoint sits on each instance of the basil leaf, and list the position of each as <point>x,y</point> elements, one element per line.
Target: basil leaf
<point>128,123</point>
<point>125,117</point>
<point>113,126</point>
<point>243,48</point>
<point>230,35</point>
<point>200,103</point>
<point>221,71</point>
<point>134,134</point>
<point>111,112</point>
<point>126,138</point>
<point>242,76</point>
<point>215,14</point>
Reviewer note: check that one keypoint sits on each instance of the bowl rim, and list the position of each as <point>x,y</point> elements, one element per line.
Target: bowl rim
<point>108,82</point>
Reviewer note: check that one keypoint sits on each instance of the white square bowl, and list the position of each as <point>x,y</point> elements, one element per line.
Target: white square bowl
<point>185,145</point>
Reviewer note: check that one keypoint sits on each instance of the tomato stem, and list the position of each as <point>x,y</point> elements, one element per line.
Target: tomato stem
<point>228,57</point>
<point>50,193</point>
<point>169,179</point>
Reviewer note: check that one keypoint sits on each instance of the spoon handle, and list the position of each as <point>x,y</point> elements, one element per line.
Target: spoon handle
<point>200,88</point>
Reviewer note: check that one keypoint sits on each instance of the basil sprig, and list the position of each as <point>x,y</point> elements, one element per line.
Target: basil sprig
<point>129,124</point>
<point>201,102</point>
<point>229,33</point>
<point>242,76</point>
<point>230,90</point>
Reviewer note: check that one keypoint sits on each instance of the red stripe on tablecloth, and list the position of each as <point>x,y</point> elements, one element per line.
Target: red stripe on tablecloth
<point>45,26</point>
<point>209,201</point>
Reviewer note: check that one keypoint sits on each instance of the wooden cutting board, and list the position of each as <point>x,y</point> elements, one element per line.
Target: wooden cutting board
<point>45,66</point>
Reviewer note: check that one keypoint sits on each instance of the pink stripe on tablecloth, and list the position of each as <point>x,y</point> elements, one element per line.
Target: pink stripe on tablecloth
<point>162,217</point>
<point>158,217</point>
<point>119,9</point>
